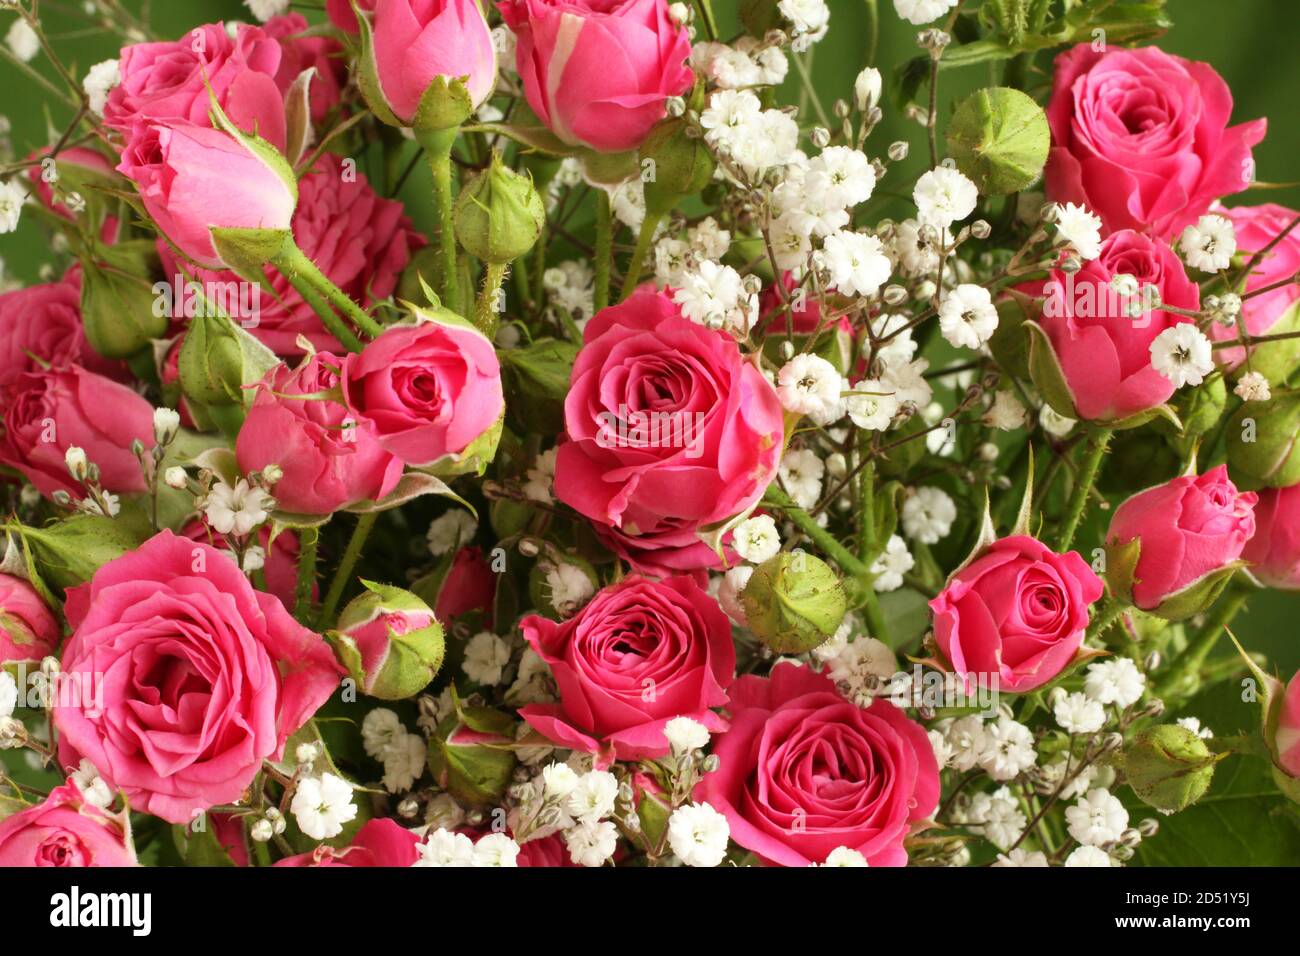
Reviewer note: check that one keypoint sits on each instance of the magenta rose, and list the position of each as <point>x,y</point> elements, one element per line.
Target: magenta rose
<point>1104,354</point>
<point>360,240</point>
<point>802,771</point>
<point>191,679</point>
<point>640,653</point>
<point>470,585</point>
<point>169,80</point>
<point>1016,614</point>
<point>1188,529</point>
<point>40,326</point>
<point>712,453</point>
<point>1257,227</point>
<point>1274,549</point>
<point>28,631</point>
<point>430,392</point>
<point>193,179</point>
<point>381,842</point>
<point>66,831</point>
<point>342,16</point>
<point>414,42</point>
<point>50,412</point>
<point>599,72</point>
<point>1141,138</point>
<point>329,460</point>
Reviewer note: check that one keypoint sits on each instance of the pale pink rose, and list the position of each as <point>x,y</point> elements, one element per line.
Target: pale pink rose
<point>193,179</point>
<point>1256,227</point>
<point>28,630</point>
<point>1016,615</point>
<point>1274,550</point>
<point>599,72</point>
<point>381,842</point>
<point>191,679</point>
<point>1142,139</point>
<point>802,771</point>
<point>66,831</point>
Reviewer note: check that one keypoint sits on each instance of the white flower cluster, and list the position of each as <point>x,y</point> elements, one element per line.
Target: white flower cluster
<point>443,847</point>
<point>1003,748</point>
<point>402,753</point>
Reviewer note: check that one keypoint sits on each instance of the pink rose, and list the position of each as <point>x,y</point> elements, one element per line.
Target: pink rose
<point>66,831</point>
<point>41,326</point>
<point>191,679</point>
<point>713,448</point>
<point>470,585</point>
<point>1188,528</point>
<point>341,15</point>
<point>49,412</point>
<point>281,568</point>
<point>599,72</point>
<point>1142,138</point>
<point>28,631</point>
<point>428,391</point>
<point>329,460</point>
<point>1286,736</point>
<point>360,240</point>
<point>381,842</point>
<point>193,179</point>
<point>640,653</point>
<point>1256,227</point>
<point>1104,354</point>
<point>414,42</point>
<point>301,51</point>
<point>1016,614</point>
<point>169,80</point>
<point>802,771</point>
<point>1274,550</point>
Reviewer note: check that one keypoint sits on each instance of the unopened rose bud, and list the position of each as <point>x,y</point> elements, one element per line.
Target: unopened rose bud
<point>389,641</point>
<point>793,602</point>
<point>499,214</point>
<point>1169,767</point>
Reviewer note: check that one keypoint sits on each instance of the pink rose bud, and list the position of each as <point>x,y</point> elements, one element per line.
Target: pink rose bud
<point>28,631</point>
<point>599,72</point>
<point>389,641</point>
<point>329,459</point>
<point>1142,138</point>
<point>1274,550</point>
<point>193,179</point>
<point>66,831</point>
<point>1016,615</point>
<point>1171,549</point>
<point>1286,735</point>
<point>414,50</point>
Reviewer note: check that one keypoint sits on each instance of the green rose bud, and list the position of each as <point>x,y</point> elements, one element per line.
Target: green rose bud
<point>389,641</point>
<point>999,138</point>
<point>1261,440</point>
<point>1169,767</point>
<point>217,359</point>
<point>471,755</point>
<point>674,166</point>
<point>499,215</point>
<point>118,300</point>
<point>793,602</point>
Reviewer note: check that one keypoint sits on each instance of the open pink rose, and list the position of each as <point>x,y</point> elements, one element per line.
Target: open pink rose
<point>428,391</point>
<point>1105,354</point>
<point>1142,138</point>
<point>1274,549</point>
<point>193,179</point>
<point>41,326</point>
<point>1188,528</point>
<point>1257,227</point>
<point>66,831</point>
<point>1015,616</point>
<point>169,80</point>
<point>329,460</point>
<point>640,653</point>
<point>802,771</point>
<point>190,678</point>
<point>669,430</point>
<point>28,630</point>
<point>50,412</point>
<point>599,72</point>
<point>381,842</point>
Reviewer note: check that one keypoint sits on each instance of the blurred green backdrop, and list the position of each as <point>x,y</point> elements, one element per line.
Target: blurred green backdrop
<point>1248,41</point>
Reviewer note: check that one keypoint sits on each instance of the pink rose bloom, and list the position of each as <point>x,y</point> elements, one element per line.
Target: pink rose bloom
<point>599,72</point>
<point>1016,614</point>
<point>360,240</point>
<point>1142,139</point>
<point>192,678</point>
<point>49,412</point>
<point>166,81</point>
<point>193,179</point>
<point>329,460</point>
<point>300,52</point>
<point>1274,550</point>
<point>1286,740</point>
<point>669,636</point>
<point>341,15</point>
<point>1189,527</point>
<point>1104,354</point>
<point>381,842</point>
<point>802,771</point>
<point>66,831</point>
<point>417,41</point>
<point>649,490</point>
<point>281,567</point>
<point>428,391</point>
<point>1256,227</point>
<point>41,326</point>
<point>28,631</point>
<point>470,585</point>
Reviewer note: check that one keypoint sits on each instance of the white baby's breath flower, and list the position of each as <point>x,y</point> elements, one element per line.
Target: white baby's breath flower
<point>714,295</point>
<point>442,847</point>
<point>1009,749</point>
<point>922,11</point>
<point>321,805</point>
<point>1194,725</point>
<point>1116,681</point>
<point>1253,387</point>
<point>541,475</point>
<point>756,539</point>
<point>99,82</point>
<point>1077,713</point>
<point>1022,857</point>
<point>698,835</point>
<point>264,10</point>
<point>1080,228</point>
<point>1098,818</point>
<point>944,196</point>
<point>450,531</point>
<point>591,843</point>
<point>593,797</point>
<point>801,473</point>
<point>733,582</point>
<point>1182,354</point>
<point>866,89</point>
<point>809,385</point>
<point>22,41</point>
<point>893,563</point>
<point>8,694</point>
<point>486,656</point>
<point>908,381</point>
<point>1054,423</point>
<point>12,197</point>
<point>496,850</point>
<point>380,729</point>
<point>871,405</point>
<point>1003,821</point>
<point>1209,243</point>
<point>237,510</point>
<point>94,789</point>
<point>569,587</point>
<point>967,316</point>
<point>1088,856</point>
<point>685,734</point>
<point>404,762</point>
<point>1006,413</point>
<point>845,856</point>
<point>928,515</point>
<point>857,263</point>
<point>808,17</point>
<point>558,780</point>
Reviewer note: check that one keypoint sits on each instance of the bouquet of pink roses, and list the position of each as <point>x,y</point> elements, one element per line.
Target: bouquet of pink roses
<point>656,500</point>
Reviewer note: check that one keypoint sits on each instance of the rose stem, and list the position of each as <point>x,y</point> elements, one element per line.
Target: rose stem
<point>485,317</point>
<point>643,240</point>
<point>1193,656</point>
<point>308,538</point>
<point>292,260</point>
<point>343,573</point>
<point>437,146</point>
<point>604,248</point>
<point>327,315</point>
<point>1082,488</point>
